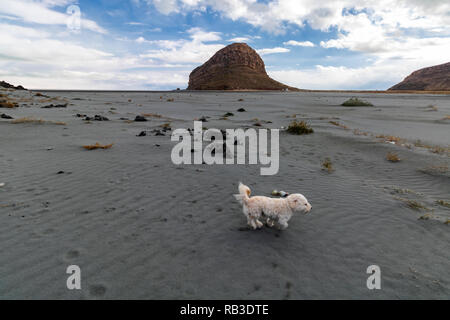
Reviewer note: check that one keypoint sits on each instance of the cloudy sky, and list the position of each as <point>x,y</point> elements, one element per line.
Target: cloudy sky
<point>154,44</point>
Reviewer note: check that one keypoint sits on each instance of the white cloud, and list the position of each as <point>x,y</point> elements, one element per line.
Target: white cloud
<point>239,39</point>
<point>299,43</point>
<point>40,12</point>
<point>193,51</point>
<point>141,40</point>
<point>272,50</point>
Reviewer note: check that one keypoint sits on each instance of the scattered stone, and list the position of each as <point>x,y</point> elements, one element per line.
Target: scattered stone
<point>60,172</point>
<point>140,119</point>
<point>241,110</point>
<point>2,184</point>
<point>158,132</point>
<point>228,114</point>
<point>81,115</point>
<point>51,106</point>
<point>96,118</point>
<point>142,134</point>
<point>203,119</point>
<point>100,118</point>
<point>5,116</point>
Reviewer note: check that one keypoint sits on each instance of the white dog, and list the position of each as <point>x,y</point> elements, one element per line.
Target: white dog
<point>273,209</point>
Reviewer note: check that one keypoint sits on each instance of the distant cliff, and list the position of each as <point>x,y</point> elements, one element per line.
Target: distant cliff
<point>435,78</point>
<point>235,67</point>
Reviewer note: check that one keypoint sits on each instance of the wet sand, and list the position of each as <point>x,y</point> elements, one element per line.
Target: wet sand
<point>141,227</point>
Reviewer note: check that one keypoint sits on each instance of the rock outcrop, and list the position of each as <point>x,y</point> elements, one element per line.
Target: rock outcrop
<point>235,67</point>
<point>10,86</point>
<point>435,78</point>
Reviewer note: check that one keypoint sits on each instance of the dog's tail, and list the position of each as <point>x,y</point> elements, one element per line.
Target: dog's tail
<point>244,193</point>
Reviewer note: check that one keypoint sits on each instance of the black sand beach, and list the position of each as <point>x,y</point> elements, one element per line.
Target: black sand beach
<point>141,227</point>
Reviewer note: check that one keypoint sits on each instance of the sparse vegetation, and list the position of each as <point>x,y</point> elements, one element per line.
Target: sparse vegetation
<point>443,203</point>
<point>337,124</point>
<point>170,100</point>
<point>299,127</point>
<point>98,146</point>
<point>426,216</point>
<point>36,121</point>
<point>8,104</point>
<point>392,157</point>
<point>327,165</point>
<point>359,132</point>
<point>413,204</point>
<point>432,148</point>
<point>387,138</point>
<point>431,108</point>
<point>356,102</point>
<point>151,115</point>
<point>435,170</point>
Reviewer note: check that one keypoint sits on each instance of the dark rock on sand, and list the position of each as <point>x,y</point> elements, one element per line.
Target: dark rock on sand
<point>142,134</point>
<point>241,110</point>
<point>140,119</point>
<point>5,116</point>
<point>435,78</point>
<point>10,86</point>
<point>51,106</point>
<point>158,132</point>
<point>235,67</point>
<point>100,118</point>
<point>96,118</point>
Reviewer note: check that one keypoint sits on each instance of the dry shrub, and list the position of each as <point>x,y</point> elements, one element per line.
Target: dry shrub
<point>98,146</point>
<point>356,102</point>
<point>299,127</point>
<point>36,121</point>
<point>358,132</point>
<point>392,157</point>
<point>413,204</point>
<point>387,138</point>
<point>166,125</point>
<point>337,124</point>
<point>443,203</point>
<point>8,104</point>
<point>151,115</point>
<point>170,100</point>
<point>327,165</point>
<point>432,148</point>
<point>432,108</point>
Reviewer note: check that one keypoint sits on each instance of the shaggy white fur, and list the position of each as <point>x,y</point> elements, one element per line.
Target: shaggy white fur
<point>279,210</point>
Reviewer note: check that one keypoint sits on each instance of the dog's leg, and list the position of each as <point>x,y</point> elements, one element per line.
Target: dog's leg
<point>259,224</point>
<point>282,224</point>
<point>251,222</point>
